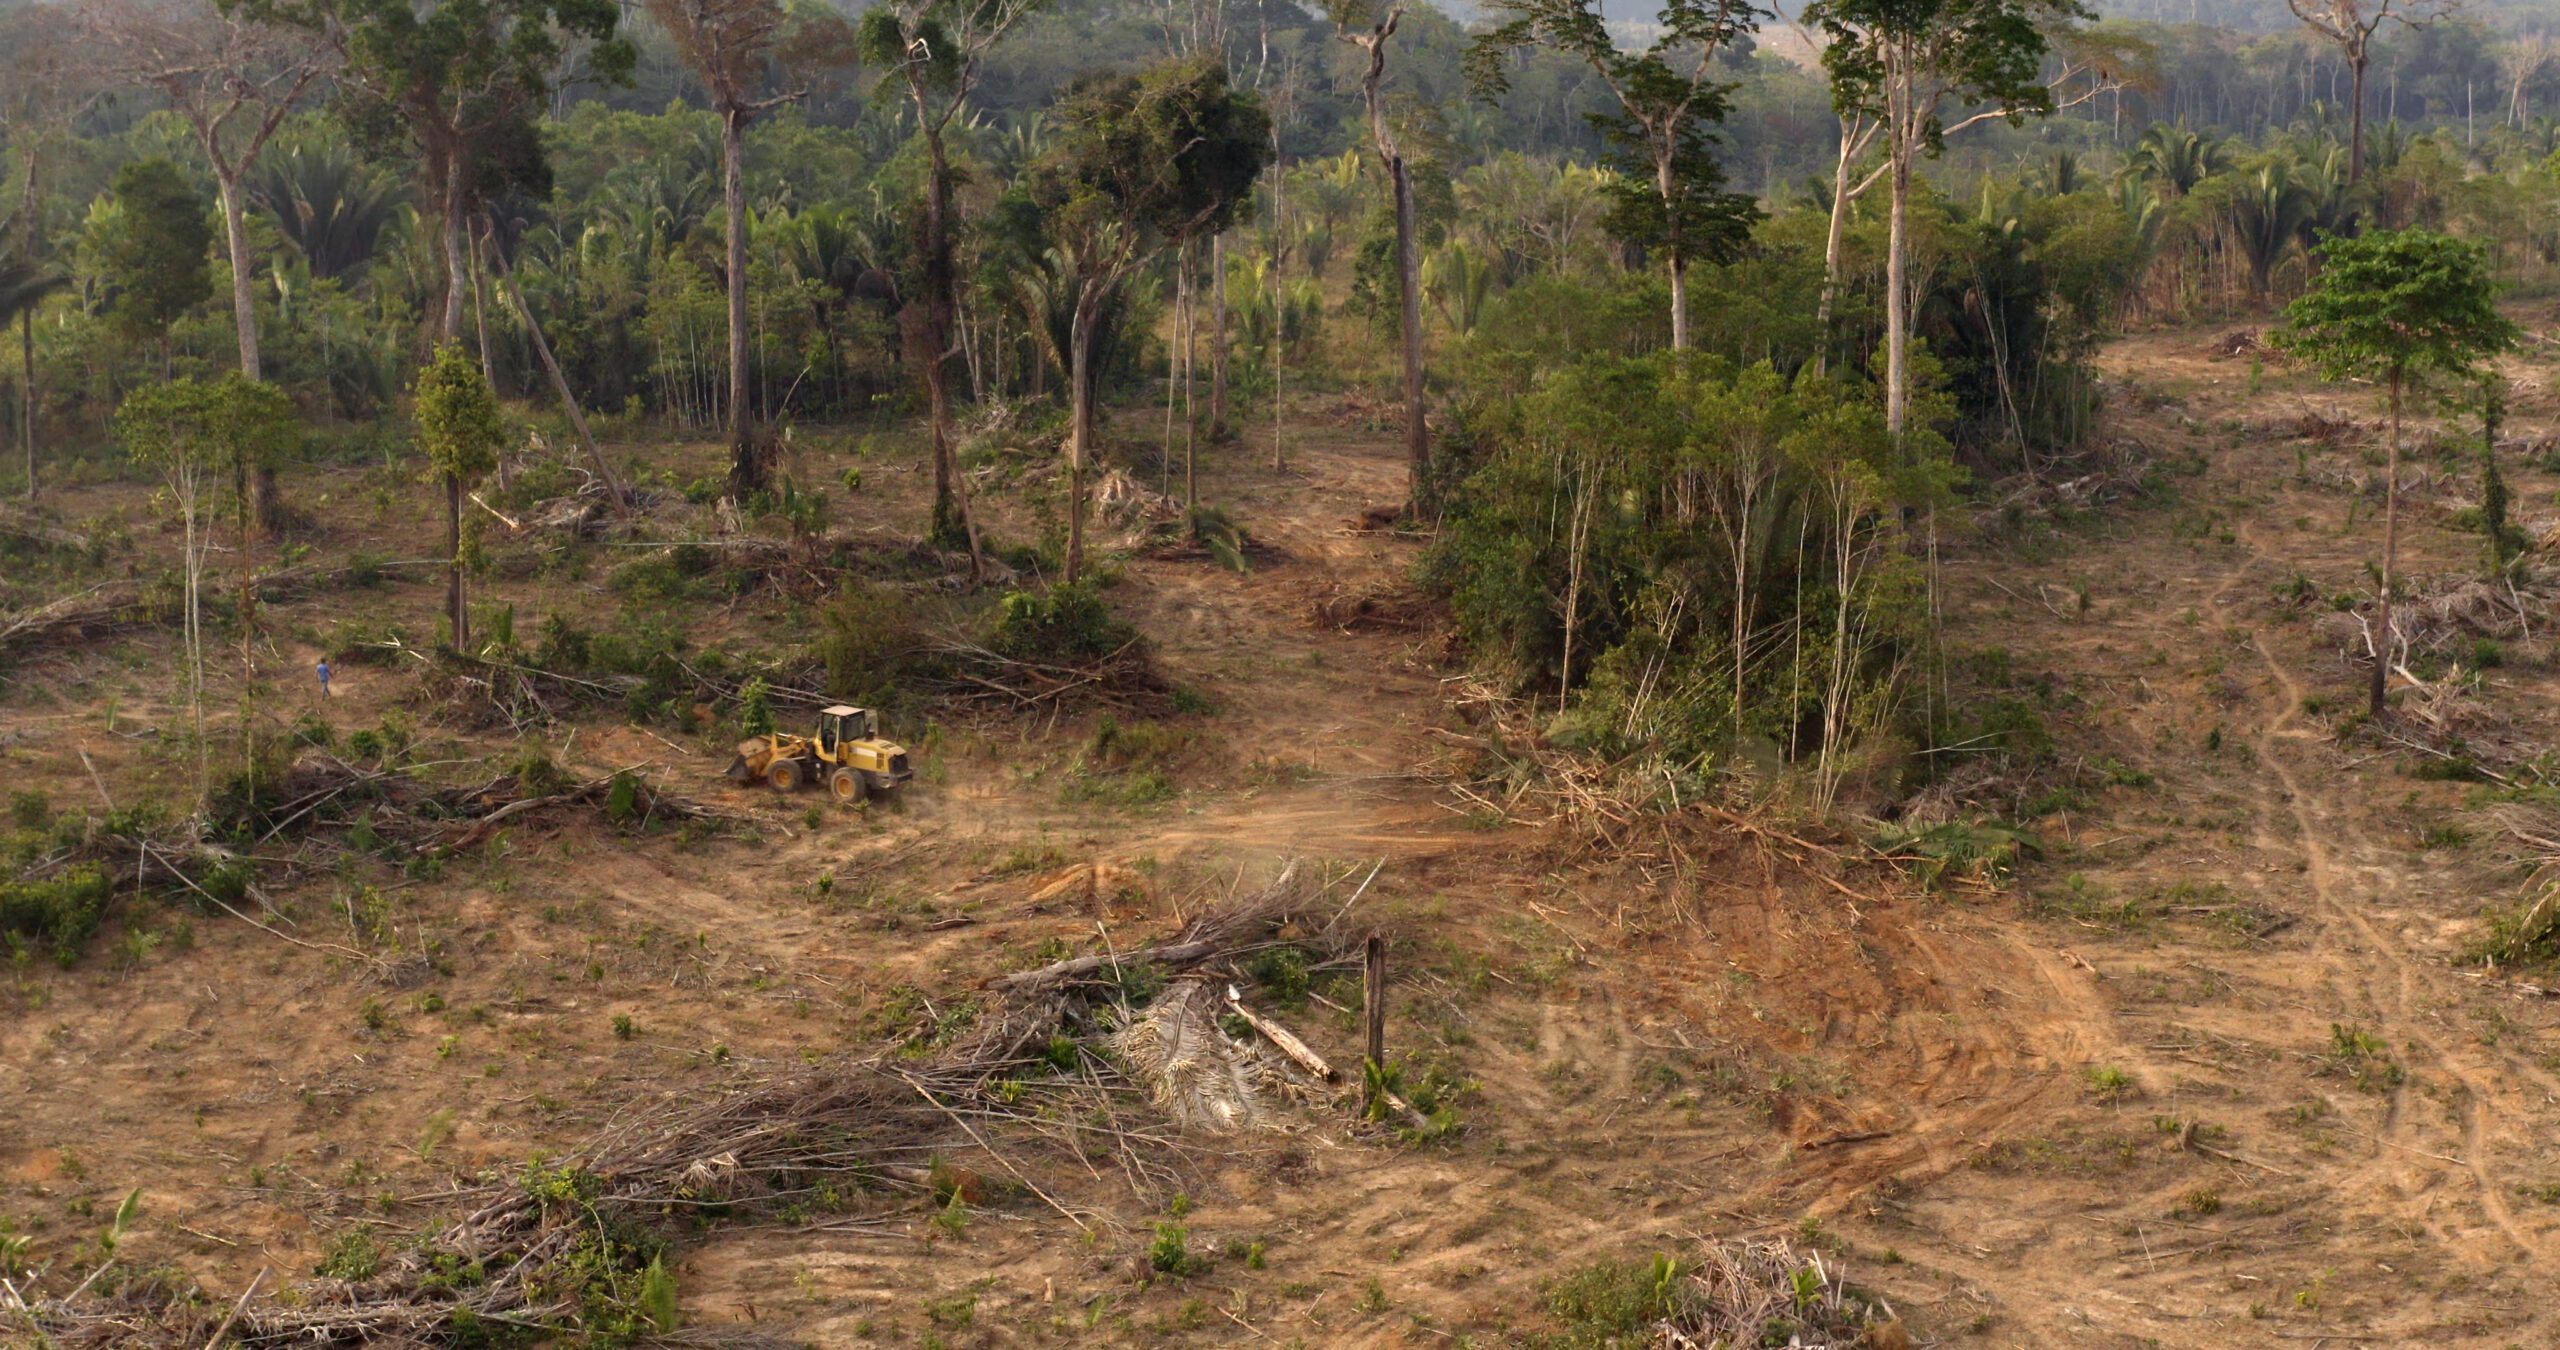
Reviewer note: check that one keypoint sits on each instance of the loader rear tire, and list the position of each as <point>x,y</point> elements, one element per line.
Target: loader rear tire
<point>847,785</point>
<point>784,775</point>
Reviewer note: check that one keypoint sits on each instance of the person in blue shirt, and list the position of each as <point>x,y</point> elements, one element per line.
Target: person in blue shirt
<point>324,679</point>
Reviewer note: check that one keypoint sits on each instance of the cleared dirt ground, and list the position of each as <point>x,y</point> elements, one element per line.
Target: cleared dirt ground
<point>2216,1071</point>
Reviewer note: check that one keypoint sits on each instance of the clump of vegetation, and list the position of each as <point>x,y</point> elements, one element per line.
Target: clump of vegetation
<point>354,1255</point>
<point>1962,850</point>
<point>60,912</point>
<point>875,646</point>
<point>1171,1254</point>
<point>1736,1293</point>
<point>1066,622</point>
<point>2363,1057</point>
<point>1584,555</point>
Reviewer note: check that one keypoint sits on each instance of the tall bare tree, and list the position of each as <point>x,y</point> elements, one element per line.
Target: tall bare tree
<point>1368,26</point>
<point>234,80</point>
<point>2349,26</point>
<point>2520,59</point>
<point>937,52</point>
<point>735,47</point>
<point>42,89</point>
<point>1898,63</point>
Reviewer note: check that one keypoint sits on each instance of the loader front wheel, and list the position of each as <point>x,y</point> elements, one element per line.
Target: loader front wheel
<point>847,785</point>
<point>784,775</point>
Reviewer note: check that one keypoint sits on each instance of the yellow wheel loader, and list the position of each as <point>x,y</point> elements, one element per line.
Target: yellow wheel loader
<point>848,754</point>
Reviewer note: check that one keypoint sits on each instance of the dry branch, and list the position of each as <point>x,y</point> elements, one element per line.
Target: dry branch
<point>1282,1037</point>
<point>536,1240</point>
<point>1736,1293</point>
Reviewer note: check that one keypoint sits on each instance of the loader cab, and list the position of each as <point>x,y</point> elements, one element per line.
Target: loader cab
<point>839,726</point>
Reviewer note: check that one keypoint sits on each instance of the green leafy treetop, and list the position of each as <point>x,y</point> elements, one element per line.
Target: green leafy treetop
<point>461,431</point>
<point>459,427</point>
<point>233,424</point>
<point>1169,153</point>
<point>462,81</point>
<point>2407,308</point>
<point>1668,194</point>
<point>154,250</point>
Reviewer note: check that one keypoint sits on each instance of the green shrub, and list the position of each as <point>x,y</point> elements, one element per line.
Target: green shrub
<point>875,646</point>
<point>1613,1303</point>
<point>1171,1252</point>
<point>353,1255</point>
<point>63,910</point>
<point>1131,745</point>
<point>755,708</point>
<point>1282,973</point>
<point>1064,622</point>
<point>564,645</point>
<point>1975,850</point>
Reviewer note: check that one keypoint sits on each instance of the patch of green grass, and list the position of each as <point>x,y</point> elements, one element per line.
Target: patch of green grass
<point>2108,1083</point>
<point>1171,1254</point>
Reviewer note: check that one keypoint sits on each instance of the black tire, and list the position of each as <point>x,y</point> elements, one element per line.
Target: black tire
<point>848,786</point>
<point>784,775</point>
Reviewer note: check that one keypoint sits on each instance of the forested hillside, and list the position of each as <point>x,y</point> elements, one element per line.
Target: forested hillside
<point>968,672</point>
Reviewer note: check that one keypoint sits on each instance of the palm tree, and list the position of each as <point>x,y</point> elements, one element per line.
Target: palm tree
<point>2174,159</point>
<point>1459,283</point>
<point>824,249</point>
<point>1011,150</point>
<point>24,284</point>
<point>2267,216</point>
<point>330,205</point>
<point>657,209</point>
<point>2142,211</point>
<point>2330,196</point>
<point>2061,174</point>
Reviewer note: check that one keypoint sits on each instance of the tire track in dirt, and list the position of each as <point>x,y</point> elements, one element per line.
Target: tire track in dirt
<point>2390,966</point>
<point>1992,1056</point>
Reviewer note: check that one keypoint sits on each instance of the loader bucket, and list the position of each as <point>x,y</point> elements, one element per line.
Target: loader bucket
<point>739,773</point>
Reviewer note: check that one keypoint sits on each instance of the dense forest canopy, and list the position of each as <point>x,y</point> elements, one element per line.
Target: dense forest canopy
<point>739,217</point>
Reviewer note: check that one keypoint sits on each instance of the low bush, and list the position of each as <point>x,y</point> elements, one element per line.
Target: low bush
<point>1062,623</point>
<point>61,911</point>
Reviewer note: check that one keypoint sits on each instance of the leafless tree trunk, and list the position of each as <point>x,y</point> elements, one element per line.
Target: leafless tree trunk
<point>746,459</point>
<point>2390,556</point>
<point>1218,338</point>
<point>1079,417</point>
<point>456,613</point>
<point>1897,277</point>
<point>449,327</point>
<point>551,369</point>
<point>27,222</point>
<point>1417,434</point>
<point>1856,134</point>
